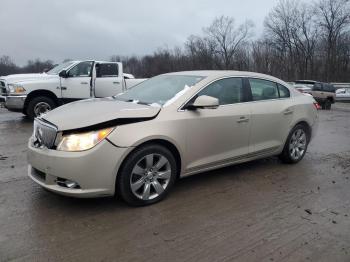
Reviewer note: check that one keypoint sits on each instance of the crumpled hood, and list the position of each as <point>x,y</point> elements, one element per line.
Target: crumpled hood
<point>26,77</point>
<point>91,112</point>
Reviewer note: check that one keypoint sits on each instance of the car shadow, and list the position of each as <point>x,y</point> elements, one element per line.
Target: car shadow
<point>181,188</point>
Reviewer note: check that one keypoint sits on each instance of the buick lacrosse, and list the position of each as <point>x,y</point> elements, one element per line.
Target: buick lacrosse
<point>136,144</point>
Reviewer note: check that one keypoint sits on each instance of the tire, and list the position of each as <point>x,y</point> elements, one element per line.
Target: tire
<point>147,175</point>
<point>328,104</point>
<point>39,105</point>
<point>296,146</point>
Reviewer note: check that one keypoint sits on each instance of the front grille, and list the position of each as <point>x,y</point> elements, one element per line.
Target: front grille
<point>44,134</point>
<point>3,90</point>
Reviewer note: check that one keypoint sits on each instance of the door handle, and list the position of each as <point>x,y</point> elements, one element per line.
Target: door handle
<point>84,83</point>
<point>288,112</point>
<point>243,119</point>
<point>116,83</point>
<point>63,88</point>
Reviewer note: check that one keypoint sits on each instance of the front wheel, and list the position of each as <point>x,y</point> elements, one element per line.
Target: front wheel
<point>147,175</point>
<point>39,105</point>
<point>296,145</point>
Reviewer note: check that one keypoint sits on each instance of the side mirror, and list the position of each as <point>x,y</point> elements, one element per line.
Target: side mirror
<point>63,74</point>
<point>208,102</point>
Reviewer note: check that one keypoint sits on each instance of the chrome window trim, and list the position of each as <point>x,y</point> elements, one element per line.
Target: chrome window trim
<point>258,78</point>
<point>180,109</point>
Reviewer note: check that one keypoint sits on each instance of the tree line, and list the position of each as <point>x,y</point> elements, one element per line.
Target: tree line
<point>300,40</point>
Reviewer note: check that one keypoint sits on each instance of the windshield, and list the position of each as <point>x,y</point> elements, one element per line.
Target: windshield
<point>160,89</point>
<point>60,67</point>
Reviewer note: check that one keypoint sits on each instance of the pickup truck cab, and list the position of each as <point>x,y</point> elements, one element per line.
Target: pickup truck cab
<point>35,94</point>
<point>323,93</point>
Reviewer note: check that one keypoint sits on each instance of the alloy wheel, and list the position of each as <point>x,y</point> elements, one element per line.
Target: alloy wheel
<point>297,144</point>
<point>150,176</point>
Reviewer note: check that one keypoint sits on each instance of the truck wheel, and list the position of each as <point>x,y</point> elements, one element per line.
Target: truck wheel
<point>39,105</point>
<point>147,175</point>
<point>328,104</point>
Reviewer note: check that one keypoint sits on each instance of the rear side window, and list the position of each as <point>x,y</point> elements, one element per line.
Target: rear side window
<point>228,91</point>
<point>317,87</point>
<point>263,89</point>
<point>107,70</point>
<point>329,88</point>
<point>283,91</point>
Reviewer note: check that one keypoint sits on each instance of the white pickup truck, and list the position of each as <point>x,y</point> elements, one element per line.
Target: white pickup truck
<point>35,94</point>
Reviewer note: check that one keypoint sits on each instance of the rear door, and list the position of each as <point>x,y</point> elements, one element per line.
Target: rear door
<point>109,80</point>
<point>271,116</point>
<point>77,85</point>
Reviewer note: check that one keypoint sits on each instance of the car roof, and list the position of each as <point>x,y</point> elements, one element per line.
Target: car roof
<point>226,73</point>
<point>307,81</point>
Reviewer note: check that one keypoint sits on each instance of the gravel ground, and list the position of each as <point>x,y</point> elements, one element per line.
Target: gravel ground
<point>258,211</point>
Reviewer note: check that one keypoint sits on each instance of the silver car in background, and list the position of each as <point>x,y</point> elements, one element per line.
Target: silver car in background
<point>136,144</point>
<point>342,94</point>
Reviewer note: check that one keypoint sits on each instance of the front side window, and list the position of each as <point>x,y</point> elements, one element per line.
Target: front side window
<point>263,89</point>
<point>227,91</point>
<point>80,70</point>
<point>329,88</point>
<point>107,70</point>
<point>160,90</point>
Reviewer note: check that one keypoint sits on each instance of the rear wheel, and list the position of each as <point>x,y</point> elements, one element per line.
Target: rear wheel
<point>328,104</point>
<point>296,145</point>
<point>39,105</point>
<point>147,175</point>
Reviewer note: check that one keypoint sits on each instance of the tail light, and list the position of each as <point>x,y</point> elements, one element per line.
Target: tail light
<point>317,106</point>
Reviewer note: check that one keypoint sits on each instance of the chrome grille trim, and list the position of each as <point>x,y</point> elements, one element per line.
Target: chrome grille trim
<point>3,89</point>
<point>44,134</point>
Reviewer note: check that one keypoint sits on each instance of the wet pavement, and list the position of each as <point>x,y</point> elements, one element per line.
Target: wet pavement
<point>258,211</point>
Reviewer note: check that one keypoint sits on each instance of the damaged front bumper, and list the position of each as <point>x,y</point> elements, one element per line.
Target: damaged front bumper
<point>93,171</point>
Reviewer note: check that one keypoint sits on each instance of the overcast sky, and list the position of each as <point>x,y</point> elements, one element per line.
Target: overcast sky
<point>97,29</point>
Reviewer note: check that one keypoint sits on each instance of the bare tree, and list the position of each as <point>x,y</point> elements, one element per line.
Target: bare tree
<point>282,31</point>
<point>37,66</point>
<point>7,66</point>
<point>226,39</point>
<point>300,40</point>
<point>306,40</point>
<point>333,19</point>
<point>201,53</point>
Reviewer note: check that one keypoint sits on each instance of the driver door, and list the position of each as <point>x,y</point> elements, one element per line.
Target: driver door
<point>77,85</point>
<point>218,136</point>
